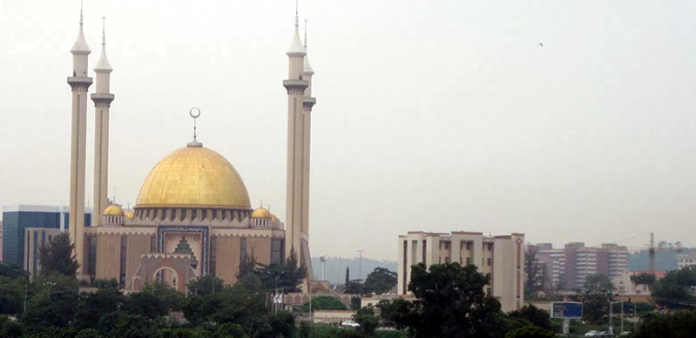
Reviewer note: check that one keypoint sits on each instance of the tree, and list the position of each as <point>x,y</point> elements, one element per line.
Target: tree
<point>282,325</point>
<point>354,287</point>
<point>595,294</point>
<point>534,315</point>
<point>535,271</point>
<point>205,285</point>
<point>450,302</point>
<point>531,332</point>
<point>675,290</point>
<point>12,271</point>
<point>57,256</point>
<point>647,279</point>
<point>241,306</point>
<point>92,306</point>
<point>380,281</point>
<point>289,274</point>
<point>681,324</point>
<point>247,265</point>
<point>367,319</point>
<point>53,304</point>
<point>155,300</point>
<point>324,303</point>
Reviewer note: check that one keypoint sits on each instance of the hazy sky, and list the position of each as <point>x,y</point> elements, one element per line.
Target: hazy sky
<point>431,115</point>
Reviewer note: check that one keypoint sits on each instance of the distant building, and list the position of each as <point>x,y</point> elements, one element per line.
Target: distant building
<point>500,256</point>
<point>685,260</point>
<point>568,268</point>
<point>18,218</point>
<point>35,239</point>
<point>626,287</point>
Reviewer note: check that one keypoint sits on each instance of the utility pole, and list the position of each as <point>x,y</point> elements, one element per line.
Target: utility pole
<point>360,265</point>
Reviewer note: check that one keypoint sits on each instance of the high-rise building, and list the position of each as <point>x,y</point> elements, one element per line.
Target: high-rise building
<point>568,268</point>
<point>18,218</point>
<point>500,256</point>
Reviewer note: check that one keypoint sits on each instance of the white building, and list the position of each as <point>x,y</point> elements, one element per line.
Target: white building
<point>686,260</point>
<point>500,256</point>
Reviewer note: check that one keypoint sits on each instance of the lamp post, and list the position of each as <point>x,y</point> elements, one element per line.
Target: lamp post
<point>276,290</point>
<point>611,316</point>
<point>50,284</point>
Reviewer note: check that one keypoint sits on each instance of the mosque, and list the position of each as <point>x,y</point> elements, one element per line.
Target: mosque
<point>192,216</point>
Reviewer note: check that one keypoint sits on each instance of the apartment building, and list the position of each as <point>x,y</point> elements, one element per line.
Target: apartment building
<point>500,256</point>
<point>569,267</point>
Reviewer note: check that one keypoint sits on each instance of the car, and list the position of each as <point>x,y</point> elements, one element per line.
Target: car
<point>625,333</point>
<point>350,324</point>
<point>592,334</point>
<point>606,334</point>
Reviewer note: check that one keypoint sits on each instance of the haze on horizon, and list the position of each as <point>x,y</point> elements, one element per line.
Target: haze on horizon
<point>434,116</point>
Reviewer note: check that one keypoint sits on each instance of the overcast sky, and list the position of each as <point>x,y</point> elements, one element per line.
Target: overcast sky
<point>431,115</point>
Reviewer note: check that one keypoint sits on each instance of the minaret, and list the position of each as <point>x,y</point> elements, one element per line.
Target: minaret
<point>102,101</point>
<point>79,82</point>
<point>296,85</point>
<point>308,103</point>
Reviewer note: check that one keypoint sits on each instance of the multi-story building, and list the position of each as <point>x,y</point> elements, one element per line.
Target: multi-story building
<point>685,260</point>
<point>569,267</point>
<point>18,218</point>
<point>625,286</point>
<point>500,256</point>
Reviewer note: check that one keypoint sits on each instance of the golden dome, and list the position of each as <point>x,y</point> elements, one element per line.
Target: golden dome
<point>261,213</point>
<point>113,210</point>
<point>129,214</point>
<point>194,177</point>
<point>274,218</point>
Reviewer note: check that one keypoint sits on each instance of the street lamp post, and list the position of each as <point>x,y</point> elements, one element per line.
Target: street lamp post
<point>276,291</point>
<point>611,316</point>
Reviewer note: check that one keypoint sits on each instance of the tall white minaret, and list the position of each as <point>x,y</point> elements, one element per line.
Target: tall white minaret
<point>79,82</point>
<point>102,102</point>
<point>296,85</point>
<point>308,103</point>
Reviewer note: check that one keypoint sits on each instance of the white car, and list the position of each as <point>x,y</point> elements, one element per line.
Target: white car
<point>592,334</point>
<point>350,324</point>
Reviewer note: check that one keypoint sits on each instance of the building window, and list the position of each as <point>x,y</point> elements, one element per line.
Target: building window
<point>490,262</point>
<point>468,246</point>
<point>447,259</point>
<point>447,245</point>
<point>490,246</point>
<point>468,260</point>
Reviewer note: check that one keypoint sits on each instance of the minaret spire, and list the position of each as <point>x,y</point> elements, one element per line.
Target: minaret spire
<point>79,82</point>
<point>102,99</point>
<point>297,205</point>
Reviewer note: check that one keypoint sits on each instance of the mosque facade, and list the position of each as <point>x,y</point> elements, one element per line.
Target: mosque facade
<point>193,215</point>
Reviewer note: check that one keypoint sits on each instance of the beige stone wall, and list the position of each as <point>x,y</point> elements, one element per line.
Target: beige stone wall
<point>261,247</point>
<point>228,257</point>
<point>137,246</point>
<point>108,256</point>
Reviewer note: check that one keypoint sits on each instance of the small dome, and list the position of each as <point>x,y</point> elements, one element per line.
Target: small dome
<point>274,218</point>
<point>129,214</point>
<point>261,213</point>
<point>113,210</point>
